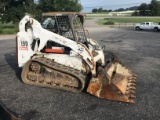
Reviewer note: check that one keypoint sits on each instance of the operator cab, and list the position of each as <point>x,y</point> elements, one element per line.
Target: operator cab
<point>67,24</point>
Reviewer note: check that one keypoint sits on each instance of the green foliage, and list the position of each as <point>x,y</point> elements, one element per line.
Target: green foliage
<point>14,10</point>
<point>152,9</point>
<point>89,18</point>
<point>136,13</point>
<point>2,5</point>
<point>108,23</point>
<point>155,8</point>
<point>144,9</point>
<point>8,30</point>
<point>7,26</point>
<point>120,9</point>
<point>95,10</point>
<point>100,10</point>
<point>59,5</point>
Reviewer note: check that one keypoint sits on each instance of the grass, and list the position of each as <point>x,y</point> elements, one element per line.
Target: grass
<point>134,20</point>
<point>108,23</point>
<point>128,20</point>
<point>100,13</point>
<point>8,28</point>
<point>8,31</point>
<point>100,21</point>
<point>89,18</point>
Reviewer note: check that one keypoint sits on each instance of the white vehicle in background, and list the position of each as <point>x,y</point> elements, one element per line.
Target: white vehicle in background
<point>147,26</point>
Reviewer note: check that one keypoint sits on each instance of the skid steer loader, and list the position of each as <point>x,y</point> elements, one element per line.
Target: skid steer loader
<point>58,54</point>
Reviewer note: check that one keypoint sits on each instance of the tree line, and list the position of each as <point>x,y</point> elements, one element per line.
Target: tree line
<point>14,10</point>
<point>151,9</point>
<point>99,10</point>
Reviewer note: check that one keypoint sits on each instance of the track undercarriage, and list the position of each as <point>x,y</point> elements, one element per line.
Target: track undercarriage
<point>45,72</point>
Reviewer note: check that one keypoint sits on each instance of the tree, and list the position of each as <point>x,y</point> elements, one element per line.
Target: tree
<point>132,8</point>
<point>143,9</point>
<point>2,6</point>
<point>59,5</point>
<point>136,13</point>
<point>121,9</point>
<point>100,9</point>
<point>14,10</point>
<point>95,10</point>
<point>110,10</point>
<point>155,8</point>
<point>104,10</point>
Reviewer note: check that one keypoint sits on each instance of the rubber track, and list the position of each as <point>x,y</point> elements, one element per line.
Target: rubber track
<point>65,69</point>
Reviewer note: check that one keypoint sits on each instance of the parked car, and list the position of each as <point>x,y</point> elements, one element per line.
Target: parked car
<point>147,26</point>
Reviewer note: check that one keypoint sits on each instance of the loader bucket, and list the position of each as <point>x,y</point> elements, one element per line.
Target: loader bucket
<point>113,82</point>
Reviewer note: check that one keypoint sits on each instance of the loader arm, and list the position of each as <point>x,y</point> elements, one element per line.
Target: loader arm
<point>80,49</point>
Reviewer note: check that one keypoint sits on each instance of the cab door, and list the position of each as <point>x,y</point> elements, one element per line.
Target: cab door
<point>147,26</point>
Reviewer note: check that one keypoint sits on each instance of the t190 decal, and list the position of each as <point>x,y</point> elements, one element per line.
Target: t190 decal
<point>23,45</point>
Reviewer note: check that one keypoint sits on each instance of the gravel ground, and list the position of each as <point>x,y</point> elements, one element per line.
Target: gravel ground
<point>7,37</point>
<point>139,50</point>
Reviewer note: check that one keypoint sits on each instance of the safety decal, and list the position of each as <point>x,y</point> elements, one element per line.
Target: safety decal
<point>23,45</point>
